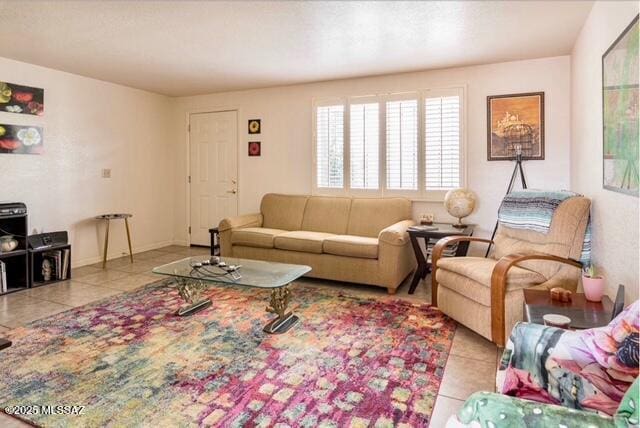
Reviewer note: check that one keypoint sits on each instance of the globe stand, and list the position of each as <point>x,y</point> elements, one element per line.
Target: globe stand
<point>517,168</point>
<point>459,224</point>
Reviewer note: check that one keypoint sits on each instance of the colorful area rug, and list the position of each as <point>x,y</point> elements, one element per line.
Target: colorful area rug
<point>131,362</point>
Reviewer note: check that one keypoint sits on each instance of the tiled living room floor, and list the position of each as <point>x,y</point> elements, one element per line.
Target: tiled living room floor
<point>471,366</point>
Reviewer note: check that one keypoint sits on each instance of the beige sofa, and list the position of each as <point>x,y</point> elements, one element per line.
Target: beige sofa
<point>359,240</point>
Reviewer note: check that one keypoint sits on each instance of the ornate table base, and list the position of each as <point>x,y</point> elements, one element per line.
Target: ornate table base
<point>191,290</point>
<point>280,298</point>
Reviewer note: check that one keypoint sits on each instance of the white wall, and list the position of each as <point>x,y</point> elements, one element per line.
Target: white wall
<point>285,165</point>
<point>615,215</point>
<point>90,125</point>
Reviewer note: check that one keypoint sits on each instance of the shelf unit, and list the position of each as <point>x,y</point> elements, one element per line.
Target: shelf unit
<point>16,261</point>
<point>35,264</point>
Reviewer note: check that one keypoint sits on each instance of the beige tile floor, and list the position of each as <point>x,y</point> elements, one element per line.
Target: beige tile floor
<point>471,366</point>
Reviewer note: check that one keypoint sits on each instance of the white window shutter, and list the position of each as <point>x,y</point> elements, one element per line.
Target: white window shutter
<point>402,145</point>
<point>364,145</point>
<point>442,142</point>
<point>330,146</point>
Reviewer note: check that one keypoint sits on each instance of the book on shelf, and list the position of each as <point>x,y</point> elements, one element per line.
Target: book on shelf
<point>3,277</point>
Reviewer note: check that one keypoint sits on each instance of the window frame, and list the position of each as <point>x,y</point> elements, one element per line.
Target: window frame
<point>421,194</point>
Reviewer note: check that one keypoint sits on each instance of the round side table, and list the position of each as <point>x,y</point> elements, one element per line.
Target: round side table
<point>108,218</point>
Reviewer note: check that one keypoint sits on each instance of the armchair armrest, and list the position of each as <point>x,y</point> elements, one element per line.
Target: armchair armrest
<point>499,285</point>
<point>396,234</point>
<point>436,254</point>
<point>247,220</point>
<point>491,409</point>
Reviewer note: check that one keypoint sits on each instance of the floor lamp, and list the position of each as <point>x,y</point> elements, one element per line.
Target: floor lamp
<point>517,169</point>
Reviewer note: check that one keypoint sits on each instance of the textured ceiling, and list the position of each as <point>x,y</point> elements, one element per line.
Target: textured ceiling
<point>186,47</point>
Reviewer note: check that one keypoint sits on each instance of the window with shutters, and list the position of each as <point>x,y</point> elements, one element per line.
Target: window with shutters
<point>330,147</point>
<point>442,142</point>
<point>409,144</point>
<point>364,144</point>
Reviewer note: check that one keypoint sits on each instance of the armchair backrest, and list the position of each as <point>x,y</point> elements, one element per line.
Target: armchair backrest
<point>564,239</point>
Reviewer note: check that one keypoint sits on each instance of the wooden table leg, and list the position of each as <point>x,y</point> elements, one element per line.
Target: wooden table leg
<point>106,246</point>
<point>126,224</point>
<point>422,264</point>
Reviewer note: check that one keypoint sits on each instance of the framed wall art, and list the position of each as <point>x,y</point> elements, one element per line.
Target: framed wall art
<point>254,126</point>
<point>620,113</point>
<point>515,123</point>
<point>16,139</point>
<point>21,99</point>
<point>254,148</point>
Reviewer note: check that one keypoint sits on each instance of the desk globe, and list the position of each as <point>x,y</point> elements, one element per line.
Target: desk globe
<point>460,203</point>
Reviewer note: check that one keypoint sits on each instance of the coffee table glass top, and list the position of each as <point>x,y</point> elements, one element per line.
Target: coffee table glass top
<point>253,273</point>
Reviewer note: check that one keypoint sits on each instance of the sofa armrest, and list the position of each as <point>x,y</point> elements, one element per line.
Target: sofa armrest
<point>247,220</point>
<point>396,234</point>
<point>499,286</point>
<point>491,409</point>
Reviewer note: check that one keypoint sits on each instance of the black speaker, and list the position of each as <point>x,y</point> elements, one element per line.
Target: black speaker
<point>46,240</point>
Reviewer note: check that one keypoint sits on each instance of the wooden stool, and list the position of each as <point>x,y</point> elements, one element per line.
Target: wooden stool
<point>108,218</point>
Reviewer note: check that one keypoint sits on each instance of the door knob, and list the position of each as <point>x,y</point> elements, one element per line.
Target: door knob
<point>234,191</point>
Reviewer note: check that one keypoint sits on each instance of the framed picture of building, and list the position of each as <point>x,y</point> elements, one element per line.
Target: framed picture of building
<point>515,124</point>
<point>620,113</point>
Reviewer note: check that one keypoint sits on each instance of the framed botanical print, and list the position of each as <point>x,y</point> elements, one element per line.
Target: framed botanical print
<point>620,113</point>
<point>515,125</point>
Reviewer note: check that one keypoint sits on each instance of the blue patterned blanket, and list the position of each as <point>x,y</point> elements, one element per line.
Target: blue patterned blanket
<point>533,210</point>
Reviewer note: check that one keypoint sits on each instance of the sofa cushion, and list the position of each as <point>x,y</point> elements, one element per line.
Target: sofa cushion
<point>351,246</point>
<point>255,236</point>
<point>479,269</point>
<point>301,240</point>
<point>326,214</point>
<point>369,216</point>
<point>283,211</point>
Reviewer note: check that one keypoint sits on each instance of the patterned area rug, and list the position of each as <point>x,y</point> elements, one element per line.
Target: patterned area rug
<point>131,362</point>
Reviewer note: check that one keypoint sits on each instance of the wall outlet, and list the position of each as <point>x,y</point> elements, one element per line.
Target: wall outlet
<point>106,173</point>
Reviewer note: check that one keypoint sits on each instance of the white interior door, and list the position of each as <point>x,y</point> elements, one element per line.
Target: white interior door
<point>213,146</point>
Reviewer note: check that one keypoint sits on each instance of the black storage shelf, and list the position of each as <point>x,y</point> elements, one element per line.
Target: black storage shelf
<point>35,258</point>
<point>16,261</point>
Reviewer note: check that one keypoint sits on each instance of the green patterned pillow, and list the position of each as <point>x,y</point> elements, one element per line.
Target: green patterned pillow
<point>627,413</point>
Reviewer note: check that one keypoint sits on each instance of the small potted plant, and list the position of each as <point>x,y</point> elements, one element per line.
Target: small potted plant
<point>593,284</point>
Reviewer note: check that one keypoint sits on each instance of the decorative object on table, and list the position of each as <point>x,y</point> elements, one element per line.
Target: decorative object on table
<point>274,374</point>
<point>254,126</point>
<point>254,148</point>
<point>593,284</point>
<point>515,121</point>
<point>21,99</point>
<point>8,243</point>
<point>620,116</point>
<point>556,320</point>
<point>431,235</point>
<point>427,219</point>
<point>17,139</point>
<point>560,294</point>
<point>583,313</point>
<point>460,203</point>
<point>108,218</point>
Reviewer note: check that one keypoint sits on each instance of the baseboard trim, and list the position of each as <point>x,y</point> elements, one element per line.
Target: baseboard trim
<point>122,253</point>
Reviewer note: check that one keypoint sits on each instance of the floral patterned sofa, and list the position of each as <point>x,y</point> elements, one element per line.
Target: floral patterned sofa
<point>554,377</point>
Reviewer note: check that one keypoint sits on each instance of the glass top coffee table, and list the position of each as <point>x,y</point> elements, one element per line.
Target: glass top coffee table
<point>194,274</point>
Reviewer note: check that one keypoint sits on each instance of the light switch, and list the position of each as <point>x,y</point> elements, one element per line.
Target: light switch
<point>106,173</point>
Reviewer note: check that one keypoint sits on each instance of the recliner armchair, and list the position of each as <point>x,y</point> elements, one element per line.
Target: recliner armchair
<point>485,294</point>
